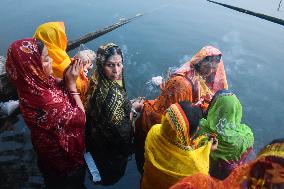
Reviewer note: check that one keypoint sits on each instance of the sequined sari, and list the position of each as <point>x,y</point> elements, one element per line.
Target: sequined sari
<point>109,132</point>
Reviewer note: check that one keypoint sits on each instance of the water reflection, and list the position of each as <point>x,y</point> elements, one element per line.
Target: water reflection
<point>17,158</point>
<point>253,59</point>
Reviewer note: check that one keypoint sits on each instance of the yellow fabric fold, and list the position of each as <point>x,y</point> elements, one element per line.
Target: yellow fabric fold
<point>53,35</point>
<point>165,163</point>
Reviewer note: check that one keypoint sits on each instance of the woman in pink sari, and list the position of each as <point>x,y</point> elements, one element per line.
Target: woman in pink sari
<point>206,71</point>
<point>52,111</point>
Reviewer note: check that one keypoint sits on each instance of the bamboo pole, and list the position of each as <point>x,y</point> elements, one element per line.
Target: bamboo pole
<point>262,16</point>
<point>8,91</point>
<point>91,36</point>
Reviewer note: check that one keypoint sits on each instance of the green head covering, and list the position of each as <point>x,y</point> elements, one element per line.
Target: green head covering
<point>224,119</point>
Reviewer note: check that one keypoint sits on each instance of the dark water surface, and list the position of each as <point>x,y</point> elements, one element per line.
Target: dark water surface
<point>169,33</point>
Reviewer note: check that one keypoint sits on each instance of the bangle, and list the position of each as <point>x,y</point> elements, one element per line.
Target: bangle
<point>134,112</point>
<point>74,93</point>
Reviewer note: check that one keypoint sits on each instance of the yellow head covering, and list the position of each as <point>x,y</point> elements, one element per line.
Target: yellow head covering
<point>166,163</point>
<point>53,35</point>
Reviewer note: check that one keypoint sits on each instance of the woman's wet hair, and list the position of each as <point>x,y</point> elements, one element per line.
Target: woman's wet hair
<point>193,114</point>
<point>279,140</point>
<point>113,51</point>
<point>104,52</point>
<point>39,45</point>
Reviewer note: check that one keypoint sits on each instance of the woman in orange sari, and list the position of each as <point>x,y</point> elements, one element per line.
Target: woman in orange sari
<point>196,81</point>
<point>267,171</point>
<point>53,35</point>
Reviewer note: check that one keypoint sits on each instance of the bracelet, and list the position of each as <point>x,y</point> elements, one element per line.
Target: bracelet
<point>74,93</point>
<point>134,112</point>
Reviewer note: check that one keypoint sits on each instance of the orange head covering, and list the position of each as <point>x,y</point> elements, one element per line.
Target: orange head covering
<point>53,35</point>
<point>188,69</point>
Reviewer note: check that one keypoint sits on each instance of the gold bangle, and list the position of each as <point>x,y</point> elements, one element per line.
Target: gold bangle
<point>75,93</point>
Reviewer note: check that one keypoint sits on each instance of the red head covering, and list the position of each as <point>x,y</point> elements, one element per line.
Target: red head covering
<point>56,122</point>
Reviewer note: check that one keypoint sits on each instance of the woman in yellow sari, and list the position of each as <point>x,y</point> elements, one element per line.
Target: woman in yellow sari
<point>53,35</point>
<point>170,152</point>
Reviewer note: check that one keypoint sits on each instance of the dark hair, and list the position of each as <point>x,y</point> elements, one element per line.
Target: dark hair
<point>193,114</point>
<point>113,51</point>
<point>39,45</point>
<point>278,140</point>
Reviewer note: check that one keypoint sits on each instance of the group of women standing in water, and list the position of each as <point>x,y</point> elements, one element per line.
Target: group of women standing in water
<point>191,130</point>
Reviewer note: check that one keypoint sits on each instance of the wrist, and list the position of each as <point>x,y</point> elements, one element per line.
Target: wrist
<point>72,88</point>
<point>134,112</point>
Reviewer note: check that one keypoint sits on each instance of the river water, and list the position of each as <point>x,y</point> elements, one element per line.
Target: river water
<point>169,33</point>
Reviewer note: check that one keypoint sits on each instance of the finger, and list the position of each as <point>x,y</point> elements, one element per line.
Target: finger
<point>79,66</point>
<point>68,69</point>
<point>72,67</point>
<point>76,64</point>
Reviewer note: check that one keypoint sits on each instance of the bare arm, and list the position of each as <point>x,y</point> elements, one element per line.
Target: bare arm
<point>137,106</point>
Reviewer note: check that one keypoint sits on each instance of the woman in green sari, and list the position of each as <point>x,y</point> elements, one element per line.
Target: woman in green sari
<point>109,115</point>
<point>235,139</point>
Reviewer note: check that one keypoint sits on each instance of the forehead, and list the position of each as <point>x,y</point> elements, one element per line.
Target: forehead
<point>115,58</point>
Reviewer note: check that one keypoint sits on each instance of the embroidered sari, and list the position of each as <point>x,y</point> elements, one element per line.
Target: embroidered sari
<point>184,84</point>
<point>56,123</point>
<point>108,122</point>
<point>169,152</point>
<point>235,139</point>
<point>267,171</point>
<point>53,35</point>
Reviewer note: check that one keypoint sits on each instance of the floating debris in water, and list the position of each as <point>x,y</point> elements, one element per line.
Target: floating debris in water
<point>7,108</point>
<point>2,65</point>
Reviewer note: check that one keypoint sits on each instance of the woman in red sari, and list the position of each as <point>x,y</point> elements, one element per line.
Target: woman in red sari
<point>53,112</point>
<point>195,81</point>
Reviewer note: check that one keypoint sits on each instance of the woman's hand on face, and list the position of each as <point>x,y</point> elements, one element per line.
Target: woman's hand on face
<point>72,74</point>
<point>138,105</point>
